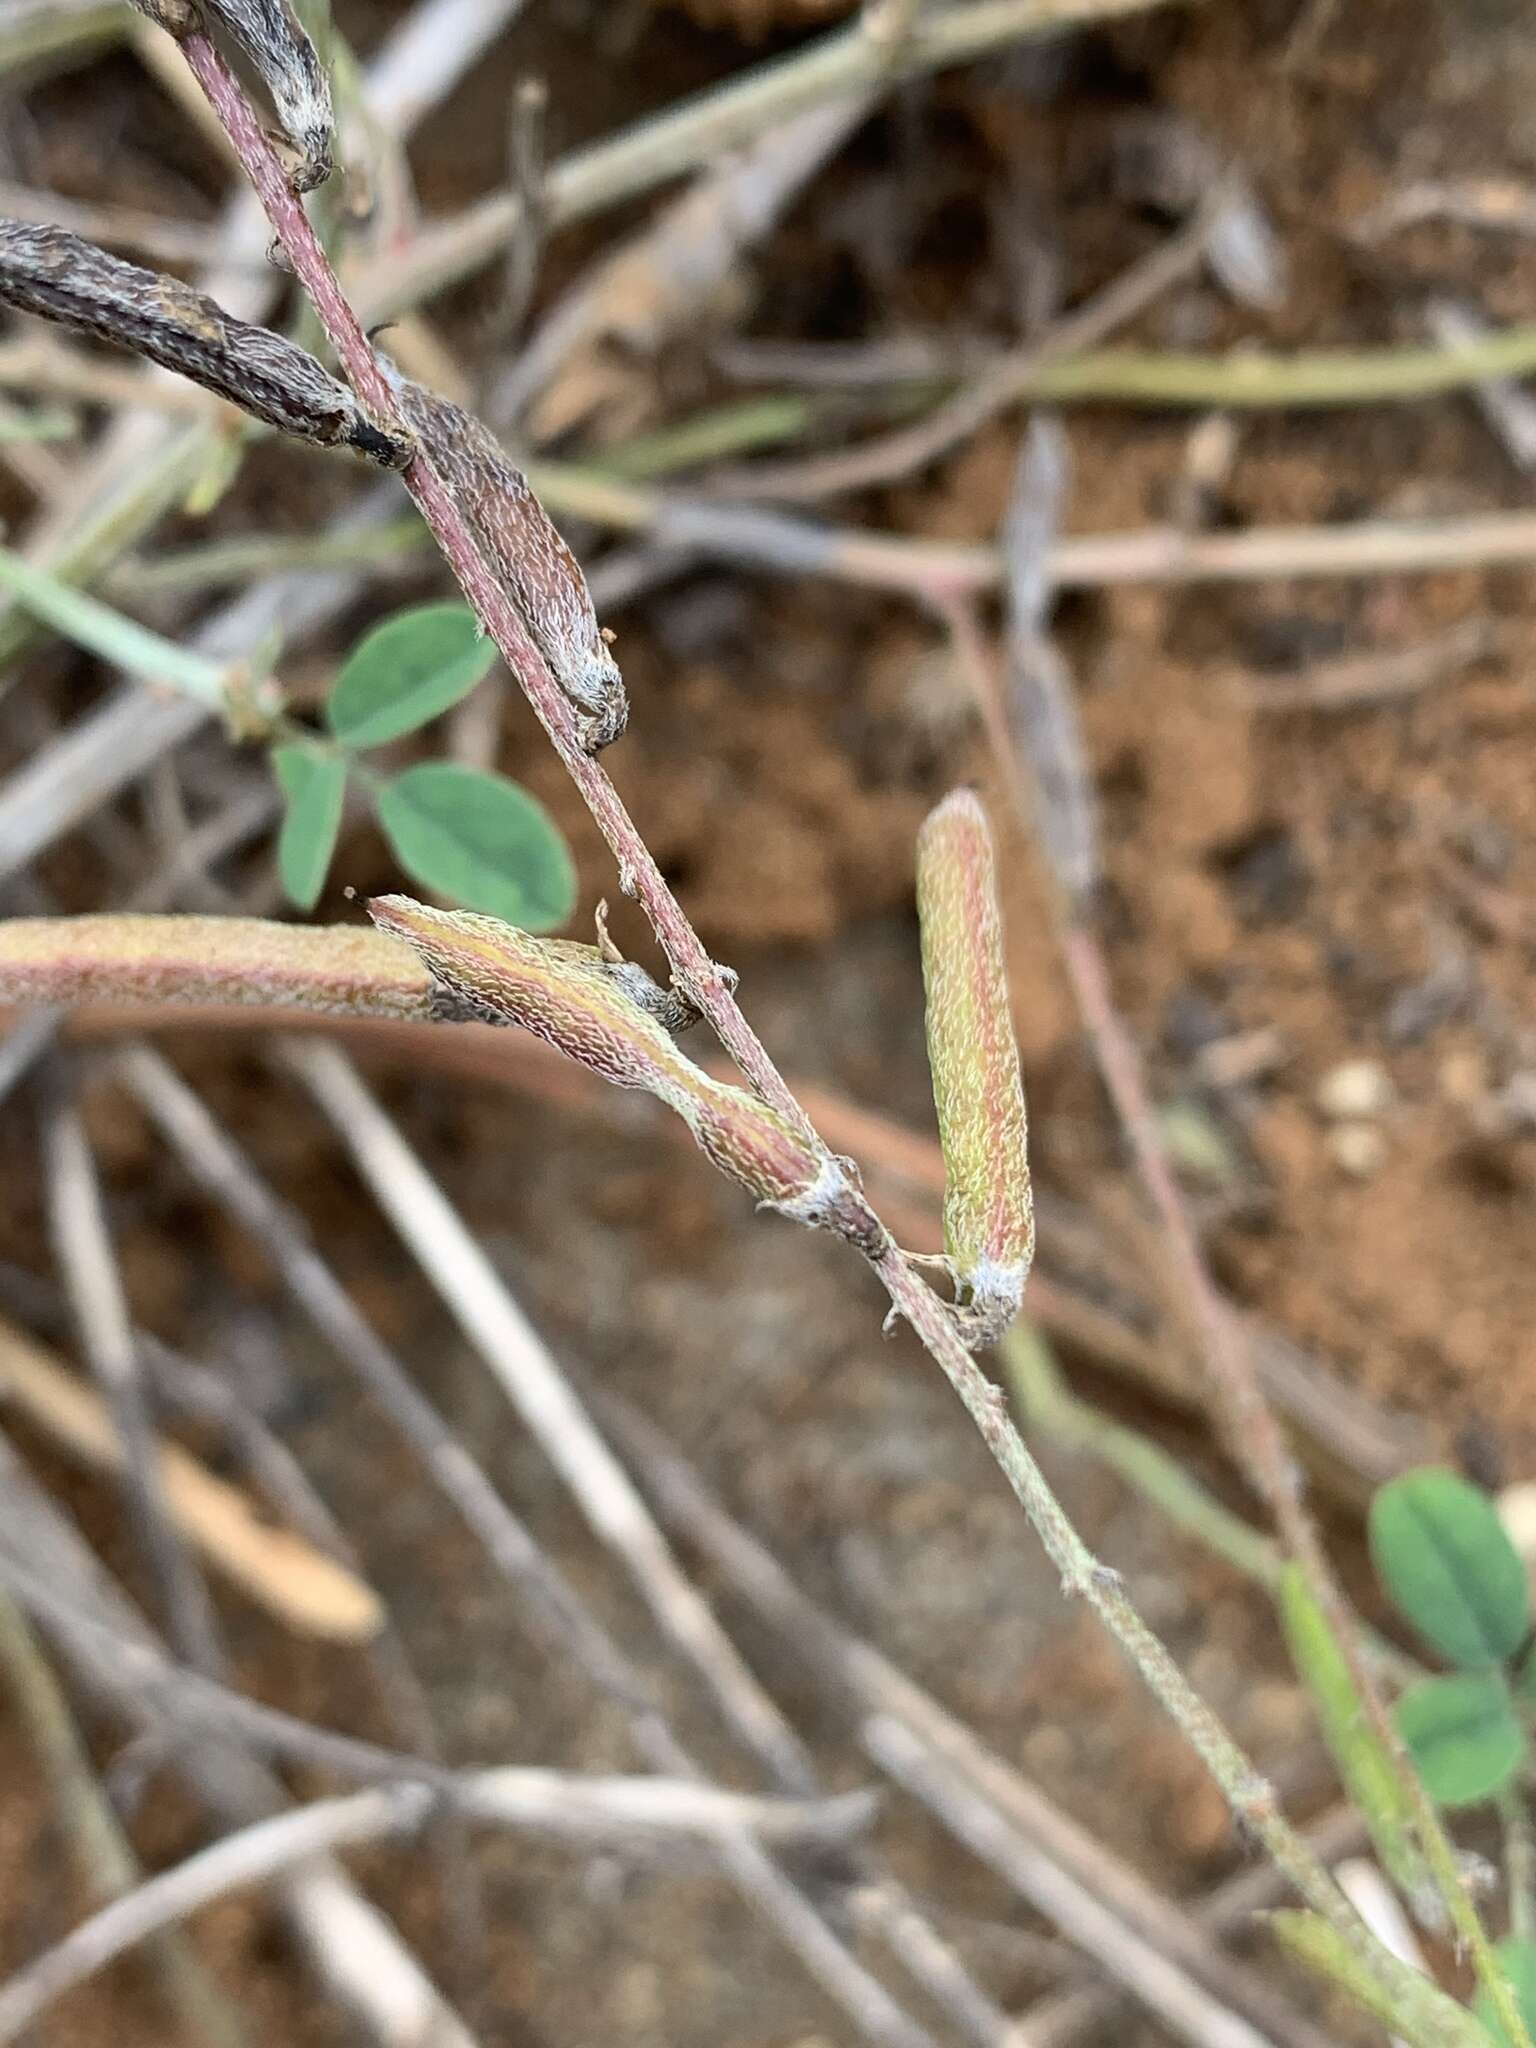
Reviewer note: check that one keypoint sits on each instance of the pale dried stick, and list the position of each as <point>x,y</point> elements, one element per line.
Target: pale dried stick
<point>1356,682</point>
<point>125,227</point>
<point>293,1581</point>
<point>937,571</point>
<point>194,1389</point>
<point>865,1683</point>
<point>354,1949</point>
<point>709,990</point>
<point>527,154</point>
<point>1188,2012</point>
<point>637,294</point>
<point>1251,1427</point>
<point>83,1250</point>
<point>141,469</point>
<point>996,389</point>
<point>200,1706</point>
<point>191,1389</point>
<point>528,1373</point>
<point>109,1868</point>
<point>562,1618</point>
<point>427,52</point>
<point>85,1254</point>
<point>507,1795</point>
<point>615,1813</point>
<point>531,1377</point>
<point>699,130</point>
<point>1503,402</point>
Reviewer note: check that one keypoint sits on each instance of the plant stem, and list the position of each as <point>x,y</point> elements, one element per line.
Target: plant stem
<point>1250,1798</point>
<point>1254,1432</point>
<point>703,128</point>
<point>339,970</point>
<point>639,875</point>
<point>1261,382</point>
<point>1048,1405</point>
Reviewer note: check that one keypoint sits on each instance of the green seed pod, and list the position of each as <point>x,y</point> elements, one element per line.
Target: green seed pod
<point>575,999</point>
<point>989,1219</point>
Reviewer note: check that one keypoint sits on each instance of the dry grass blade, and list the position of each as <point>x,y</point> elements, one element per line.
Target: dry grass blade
<point>287,1575</point>
<point>83,1249</point>
<point>563,1619</point>
<point>643,291</point>
<point>1189,2013</point>
<point>109,1867</point>
<point>593,1812</point>
<point>528,1373</point>
<point>168,241</point>
<point>1004,384</point>
<point>867,1685</point>
<point>191,1389</point>
<point>355,1950</point>
<point>727,117</point>
<point>1040,706</point>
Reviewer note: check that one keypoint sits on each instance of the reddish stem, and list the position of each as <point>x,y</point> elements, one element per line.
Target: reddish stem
<point>639,875</point>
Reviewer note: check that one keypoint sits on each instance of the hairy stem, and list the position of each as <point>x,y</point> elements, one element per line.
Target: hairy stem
<point>639,875</point>
<point>1250,1798</point>
<point>1254,1431</point>
<point>1247,1793</point>
<point>330,970</point>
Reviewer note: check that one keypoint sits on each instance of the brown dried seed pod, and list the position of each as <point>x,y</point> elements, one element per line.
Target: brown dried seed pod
<point>292,72</point>
<point>524,549</point>
<point>177,17</point>
<point>286,62</point>
<point>58,276</point>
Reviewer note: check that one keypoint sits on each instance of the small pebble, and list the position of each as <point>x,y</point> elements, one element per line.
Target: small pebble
<point>1355,1089</point>
<point>1360,1149</point>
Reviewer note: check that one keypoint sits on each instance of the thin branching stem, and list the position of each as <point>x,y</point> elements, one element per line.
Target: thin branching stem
<point>639,875</point>
<point>1081,1573</point>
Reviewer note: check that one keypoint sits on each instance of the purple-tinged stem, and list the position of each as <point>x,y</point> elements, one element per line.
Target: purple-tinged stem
<point>639,875</point>
<point>701,979</point>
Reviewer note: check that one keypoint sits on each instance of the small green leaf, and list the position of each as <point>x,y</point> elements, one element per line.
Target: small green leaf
<point>1441,1552</point>
<point>313,782</point>
<point>1518,1958</point>
<point>1462,1734</point>
<point>481,840</point>
<point>406,671</point>
<point>1371,1776</point>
